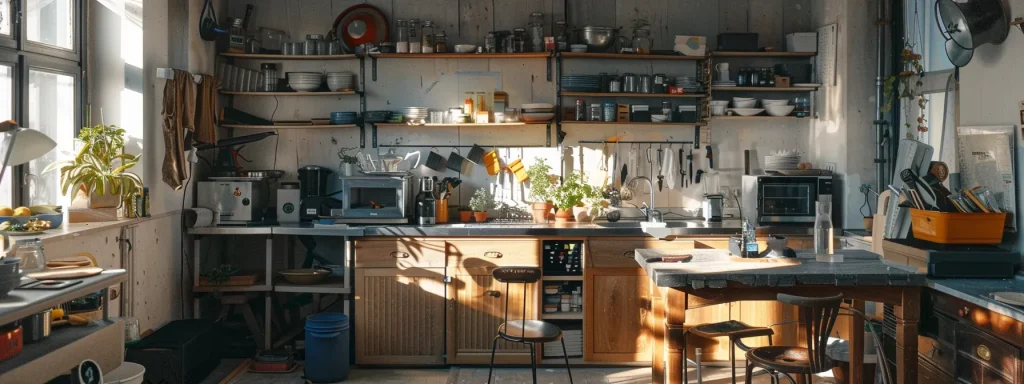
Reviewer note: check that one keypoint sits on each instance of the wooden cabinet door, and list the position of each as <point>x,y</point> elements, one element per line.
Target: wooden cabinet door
<point>617,316</point>
<point>400,316</point>
<point>476,307</point>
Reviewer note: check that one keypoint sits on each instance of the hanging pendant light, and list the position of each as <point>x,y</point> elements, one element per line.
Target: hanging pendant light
<point>966,25</point>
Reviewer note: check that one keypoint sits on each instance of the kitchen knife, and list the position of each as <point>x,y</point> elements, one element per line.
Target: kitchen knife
<point>711,158</point>
<point>690,159</point>
<point>670,259</point>
<point>700,172</point>
<point>682,171</point>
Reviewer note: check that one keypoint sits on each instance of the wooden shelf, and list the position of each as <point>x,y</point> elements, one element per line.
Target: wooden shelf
<point>261,56</point>
<point>431,125</point>
<point>626,56</point>
<point>631,123</point>
<point>761,118</point>
<point>231,288</point>
<point>763,54</point>
<point>307,126</point>
<point>526,55</point>
<point>340,93</point>
<point>562,316</point>
<point>637,95</point>
<point>562,278</point>
<point>330,287</point>
<point>764,89</point>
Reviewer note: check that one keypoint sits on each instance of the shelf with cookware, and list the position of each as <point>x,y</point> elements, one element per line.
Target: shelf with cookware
<point>290,126</point>
<point>275,94</point>
<point>259,56</point>
<point>785,76</point>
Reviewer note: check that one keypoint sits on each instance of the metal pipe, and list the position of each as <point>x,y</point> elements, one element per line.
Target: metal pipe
<point>880,142</point>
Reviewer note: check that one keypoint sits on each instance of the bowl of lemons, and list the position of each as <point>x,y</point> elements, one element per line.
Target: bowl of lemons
<point>22,215</point>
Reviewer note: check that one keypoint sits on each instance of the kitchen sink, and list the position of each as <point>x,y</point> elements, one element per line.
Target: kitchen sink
<point>639,224</point>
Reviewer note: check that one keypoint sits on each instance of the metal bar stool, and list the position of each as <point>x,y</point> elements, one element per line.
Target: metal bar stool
<point>819,315</point>
<point>736,331</point>
<point>530,332</point>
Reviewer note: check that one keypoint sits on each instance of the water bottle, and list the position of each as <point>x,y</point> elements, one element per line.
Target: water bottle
<point>823,229</point>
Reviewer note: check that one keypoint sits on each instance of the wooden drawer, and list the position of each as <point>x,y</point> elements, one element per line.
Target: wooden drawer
<point>488,253</point>
<point>617,252</point>
<point>985,359</point>
<point>1003,327</point>
<point>929,374</point>
<point>399,253</point>
<point>935,342</point>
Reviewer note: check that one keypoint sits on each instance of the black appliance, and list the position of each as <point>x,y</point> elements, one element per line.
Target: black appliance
<point>313,194</point>
<point>562,257</point>
<point>425,203</point>
<point>958,260</point>
<point>183,351</point>
<point>737,42</point>
<point>774,200</point>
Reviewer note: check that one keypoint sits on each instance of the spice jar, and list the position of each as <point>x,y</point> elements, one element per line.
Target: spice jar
<point>561,38</point>
<point>491,43</point>
<point>609,111</point>
<point>402,41</point>
<point>415,45</point>
<point>236,36</point>
<point>581,113</point>
<point>537,32</point>
<point>427,37</point>
<point>519,39</point>
<point>440,45</point>
<point>467,105</point>
<point>596,113</point>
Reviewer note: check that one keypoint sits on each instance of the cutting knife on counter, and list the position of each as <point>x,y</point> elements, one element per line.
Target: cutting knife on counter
<point>669,259</point>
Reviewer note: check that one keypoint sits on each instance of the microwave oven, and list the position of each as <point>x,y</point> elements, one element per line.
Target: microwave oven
<point>778,200</point>
<point>373,200</point>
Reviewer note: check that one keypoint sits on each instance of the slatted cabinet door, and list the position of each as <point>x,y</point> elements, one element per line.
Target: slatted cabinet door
<point>400,316</point>
<point>476,307</point>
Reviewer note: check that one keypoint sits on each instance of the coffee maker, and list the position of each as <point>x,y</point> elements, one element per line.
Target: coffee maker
<point>313,193</point>
<point>425,202</point>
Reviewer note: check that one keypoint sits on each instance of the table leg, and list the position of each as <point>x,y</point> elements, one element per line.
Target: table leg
<point>801,337</point>
<point>675,320</point>
<point>657,327</point>
<point>857,343</point>
<point>908,315</point>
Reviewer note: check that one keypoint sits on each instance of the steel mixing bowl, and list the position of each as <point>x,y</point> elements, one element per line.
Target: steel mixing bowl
<point>597,39</point>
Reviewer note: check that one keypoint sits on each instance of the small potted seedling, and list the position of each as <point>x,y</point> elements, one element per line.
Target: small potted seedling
<point>482,201</point>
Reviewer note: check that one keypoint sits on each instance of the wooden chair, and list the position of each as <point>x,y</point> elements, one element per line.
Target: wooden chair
<point>736,331</point>
<point>530,332</point>
<point>819,315</point>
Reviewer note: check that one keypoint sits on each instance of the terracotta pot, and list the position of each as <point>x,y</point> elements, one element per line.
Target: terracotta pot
<point>563,216</point>
<point>94,201</point>
<point>869,223</point>
<point>480,216</point>
<point>541,212</point>
<point>465,216</point>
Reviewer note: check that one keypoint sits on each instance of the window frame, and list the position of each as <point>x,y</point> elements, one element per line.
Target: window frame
<point>11,41</point>
<point>73,54</point>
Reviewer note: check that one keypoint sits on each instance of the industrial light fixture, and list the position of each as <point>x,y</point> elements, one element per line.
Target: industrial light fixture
<point>20,145</point>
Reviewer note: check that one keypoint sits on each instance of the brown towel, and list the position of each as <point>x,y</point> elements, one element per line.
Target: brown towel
<point>179,117</point>
<point>206,111</point>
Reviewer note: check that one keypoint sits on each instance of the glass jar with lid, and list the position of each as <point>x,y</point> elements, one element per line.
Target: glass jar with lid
<point>561,38</point>
<point>402,38</point>
<point>415,45</point>
<point>491,43</point>
<point>427,37</point>
<point>537,32</point>
<point>312,42</point>
<point>519,39</point>
<point>30,251</point>
<point>236,36</point>
<point>440,43</point>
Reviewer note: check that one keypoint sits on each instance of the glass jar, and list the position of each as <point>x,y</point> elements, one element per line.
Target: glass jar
<point>754,78</point>
<point>402,40</point>
<point>581,111</point>
<point>537,32</point>
<point>310,47</point>
<point>236,36</point>
<point>561,38</point>
<point>415,45</point>
<point>742,77</point>
<point>642,41</point>
<point>519,39</point>
<point>271,40</point>
<point>762,77</point>
<point>440,43</point>
<point>30,251</point>
<point>770,73</point>
<point>467,105</point>
<point>491,43</point>
<point>596,113</point>
<point>609,111</point>
<point>803,107</point>
<point>481,102</point>
<point>427,37</point>
<point>269,77</point>
<point>823,233</point>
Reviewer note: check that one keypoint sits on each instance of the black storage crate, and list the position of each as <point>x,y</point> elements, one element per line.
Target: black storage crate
<point>183,351</point>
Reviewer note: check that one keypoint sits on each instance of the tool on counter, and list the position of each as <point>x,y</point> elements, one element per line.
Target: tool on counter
<point>924,192</point>
<point>661,165</point>
<point>711,158</point>
<point>670,259</point>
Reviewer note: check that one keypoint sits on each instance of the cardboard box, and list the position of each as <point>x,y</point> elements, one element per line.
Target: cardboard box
<point>691,45</point>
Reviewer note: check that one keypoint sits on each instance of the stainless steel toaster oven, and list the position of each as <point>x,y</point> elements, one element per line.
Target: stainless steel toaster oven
<point>774,200</point>
<point>237,202</point>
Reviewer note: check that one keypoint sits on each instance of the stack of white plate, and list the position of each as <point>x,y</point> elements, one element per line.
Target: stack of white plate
<point>720,83</point>
<point>305,81</point>
<point>415,114</point>
<point>781,162</point>
<point>538,112</point>
<point>688,84</point>
<point>340,81</point>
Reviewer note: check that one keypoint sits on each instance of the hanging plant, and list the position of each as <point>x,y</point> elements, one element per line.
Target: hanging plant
<point>905,85</point>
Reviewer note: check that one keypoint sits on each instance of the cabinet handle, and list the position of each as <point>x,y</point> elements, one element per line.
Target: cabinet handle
<point>400,255</point>
<point>492,293</point>
<point>984,353</point>
<point>964,312</point>
<point>493,254</point>
<point>628,254</point>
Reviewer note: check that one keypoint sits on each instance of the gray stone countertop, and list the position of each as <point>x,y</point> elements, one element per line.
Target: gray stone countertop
<point>979,292</point>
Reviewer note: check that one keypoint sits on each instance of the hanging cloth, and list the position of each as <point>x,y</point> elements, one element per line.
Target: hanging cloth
<point>178,119</point>
<point>206,111</point>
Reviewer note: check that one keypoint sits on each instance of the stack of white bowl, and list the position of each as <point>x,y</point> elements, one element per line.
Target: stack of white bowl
<point>305,81</point>
<point>538,112</point>
<point>341,81</point>
<point>744,106</point>
<point>777,107</point>
<point>415,115</point>
<point>718,107</point>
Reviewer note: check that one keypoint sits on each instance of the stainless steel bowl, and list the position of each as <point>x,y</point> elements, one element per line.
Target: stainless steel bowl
<point>597,39</point>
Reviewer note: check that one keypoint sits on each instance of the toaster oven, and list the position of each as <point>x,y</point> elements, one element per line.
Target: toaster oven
<point>373,200</point>
<point>775,200</point>
<point>237,202</point>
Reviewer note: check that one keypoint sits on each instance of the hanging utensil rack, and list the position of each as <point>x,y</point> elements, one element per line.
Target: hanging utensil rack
<point>635,142</point>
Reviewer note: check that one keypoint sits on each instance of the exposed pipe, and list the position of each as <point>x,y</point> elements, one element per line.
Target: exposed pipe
<point>880,124</point>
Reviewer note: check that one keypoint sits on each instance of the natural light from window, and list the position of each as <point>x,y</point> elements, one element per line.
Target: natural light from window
<point>51,101</point>
<point>51,22</point>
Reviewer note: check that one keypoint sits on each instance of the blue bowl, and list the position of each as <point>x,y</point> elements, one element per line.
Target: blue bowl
<point>56,219</point>
<point>341,115</point>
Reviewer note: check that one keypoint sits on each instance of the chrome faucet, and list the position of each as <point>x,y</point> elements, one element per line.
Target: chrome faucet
<point>652,215</point>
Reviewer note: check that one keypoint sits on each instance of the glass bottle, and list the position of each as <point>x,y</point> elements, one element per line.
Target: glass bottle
<point>754,77</point>
<point>770,72</point>
<point>596,113</point>
<point>763,77</point>
<point>30,251</point>
<point>823,229</point>
<point>743,77</point>
<point>427,37</point>
<point>491,43</point>
<point>440,43</point>
<point>561,39</point>
<point>520,40</point>
<point>467,105</point>
<point>402,41</point>
<point>537,32</point>
<point>581,111</point>
<point>415,45</point>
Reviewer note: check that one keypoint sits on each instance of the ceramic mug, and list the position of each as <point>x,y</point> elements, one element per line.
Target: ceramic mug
<point>435,161</point>
<point>722,67</point>
<point>492,163</point>
<point>455,161</point>
<point>718,110</point>
<point>476,154</point>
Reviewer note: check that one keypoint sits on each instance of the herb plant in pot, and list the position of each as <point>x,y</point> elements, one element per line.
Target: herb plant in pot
<point>539,175</point>
<point>568,194</point>
<point>482,201</point>
<point>594,204</point>
<point>465,214</point>
<point>97,177</point>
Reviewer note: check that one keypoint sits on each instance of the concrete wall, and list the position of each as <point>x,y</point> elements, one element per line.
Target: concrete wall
<point>991,90</point>
<point>440,83</point>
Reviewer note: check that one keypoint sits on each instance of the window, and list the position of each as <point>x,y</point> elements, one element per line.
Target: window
<point>922,35</point>
<point>40,88</point>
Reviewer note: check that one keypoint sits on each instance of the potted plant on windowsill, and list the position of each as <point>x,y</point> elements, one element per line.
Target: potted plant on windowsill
<point>539,175</point>
<point>97,177</point>
<point>594,204</point>
<point>568,194</point>
<point>481,201</point>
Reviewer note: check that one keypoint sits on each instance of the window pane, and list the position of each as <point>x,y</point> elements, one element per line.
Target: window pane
<point>6,113</point>
<point>5,17</point>
<point>51,22</point>
<point>922,33</point>
<point>51,102</point>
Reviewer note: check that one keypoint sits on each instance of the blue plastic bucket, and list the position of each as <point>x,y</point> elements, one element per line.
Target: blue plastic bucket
<point>327,338</point>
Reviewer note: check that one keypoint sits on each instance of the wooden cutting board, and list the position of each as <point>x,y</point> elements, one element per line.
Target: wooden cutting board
<point>67,273</point>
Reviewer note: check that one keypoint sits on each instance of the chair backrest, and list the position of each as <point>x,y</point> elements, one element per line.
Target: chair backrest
<point>819,314</point>
<point>517,275</point>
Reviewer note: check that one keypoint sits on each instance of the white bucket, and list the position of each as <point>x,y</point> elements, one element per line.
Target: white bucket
<point>127,373</point>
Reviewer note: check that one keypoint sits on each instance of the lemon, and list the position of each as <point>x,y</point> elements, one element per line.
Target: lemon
<point>6,211</point>
<point>22,211</point>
